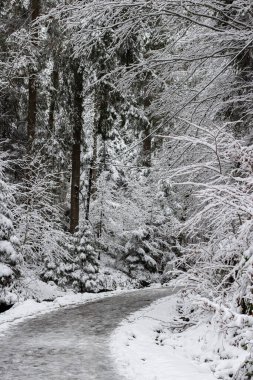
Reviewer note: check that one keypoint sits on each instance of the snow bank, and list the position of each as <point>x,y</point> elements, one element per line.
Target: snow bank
<point>153,344</point>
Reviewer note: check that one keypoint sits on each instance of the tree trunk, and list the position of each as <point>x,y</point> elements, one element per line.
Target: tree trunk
<point>53,98</point>
<point>76,148</point>
<point>146,148</point>
<point>32,108</point>
<point>32,90</point>
<point>92,177</point>
<point>147,143</point>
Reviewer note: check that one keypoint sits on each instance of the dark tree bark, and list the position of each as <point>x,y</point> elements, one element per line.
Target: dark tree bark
<point>32,108</point>
<point>76,148</point>
<point>146,148</point>
<point>32,86</point>
<point>92,177</point>
<point>53,96</point>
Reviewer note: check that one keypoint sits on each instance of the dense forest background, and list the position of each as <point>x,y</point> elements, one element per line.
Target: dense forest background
<point>126,147</point>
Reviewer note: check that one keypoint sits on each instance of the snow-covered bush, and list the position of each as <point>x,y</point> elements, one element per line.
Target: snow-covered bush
<point>218,226</point>
<point>38,216</point>
<point>215,262</point>
<point>246,370</point>
<point>57,266</point>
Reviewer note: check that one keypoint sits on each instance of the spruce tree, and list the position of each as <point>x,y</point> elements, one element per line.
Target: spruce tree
<point>9,271</point>
<point>85,260</point>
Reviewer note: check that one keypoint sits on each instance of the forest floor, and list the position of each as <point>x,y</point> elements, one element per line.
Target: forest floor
<point>155,343</point>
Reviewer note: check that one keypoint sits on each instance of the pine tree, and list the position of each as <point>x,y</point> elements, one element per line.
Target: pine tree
<point>9,259</point>
<point>138,255</point>
<point>85,260</point>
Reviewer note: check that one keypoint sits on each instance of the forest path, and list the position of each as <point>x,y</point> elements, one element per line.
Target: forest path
<point>70,343</point>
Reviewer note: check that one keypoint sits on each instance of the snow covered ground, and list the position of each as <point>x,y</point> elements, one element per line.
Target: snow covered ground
<point>145,346</point>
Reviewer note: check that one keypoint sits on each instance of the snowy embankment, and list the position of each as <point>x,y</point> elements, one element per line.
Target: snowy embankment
<point>156,343</point>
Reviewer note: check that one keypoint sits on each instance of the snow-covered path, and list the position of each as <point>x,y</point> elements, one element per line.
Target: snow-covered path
<point>71,343</point>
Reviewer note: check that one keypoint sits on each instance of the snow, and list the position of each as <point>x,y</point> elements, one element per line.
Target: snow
<point>6,222</point>
<point>6,247</point>
<point>5,271</point>
<point>34,288</point>
<point>146,347</point>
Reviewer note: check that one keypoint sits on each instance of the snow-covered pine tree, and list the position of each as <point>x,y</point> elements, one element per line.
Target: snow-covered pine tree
<point>9,258</point>
<point>138,255</point>
<point>78,266</point>
<point>85,260</point>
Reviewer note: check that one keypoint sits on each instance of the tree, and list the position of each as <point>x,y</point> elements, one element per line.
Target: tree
<point>9,245</point>
<point>76,148</point>
<point>32,86</point>
<point>85,261</point>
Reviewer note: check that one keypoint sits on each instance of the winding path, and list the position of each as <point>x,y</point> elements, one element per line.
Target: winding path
<point>70,343</point>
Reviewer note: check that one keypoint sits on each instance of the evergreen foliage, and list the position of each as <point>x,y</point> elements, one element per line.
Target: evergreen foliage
<point>85,260</point>
<point>9,245</point>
